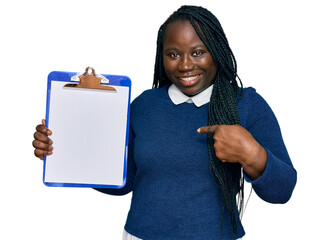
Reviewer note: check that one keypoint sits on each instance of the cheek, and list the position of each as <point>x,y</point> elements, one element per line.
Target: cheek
<point>212,68</point>
<point>169,66</point>
<point>208,63</point>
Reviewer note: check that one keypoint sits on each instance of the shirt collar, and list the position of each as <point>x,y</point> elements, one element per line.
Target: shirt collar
<point>177,97</point>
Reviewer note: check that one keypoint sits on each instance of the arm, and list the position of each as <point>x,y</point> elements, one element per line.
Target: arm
<point>259,148</point>
<point>278,180</point>
<point>234,144</point>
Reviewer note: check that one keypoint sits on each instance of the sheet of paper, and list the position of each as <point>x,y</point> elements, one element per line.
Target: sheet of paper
<point>89,135</point>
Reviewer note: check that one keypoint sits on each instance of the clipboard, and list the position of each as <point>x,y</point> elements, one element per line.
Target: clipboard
<point>90,125</point>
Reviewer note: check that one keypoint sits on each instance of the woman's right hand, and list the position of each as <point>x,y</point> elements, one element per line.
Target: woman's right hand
<point>42,143</point>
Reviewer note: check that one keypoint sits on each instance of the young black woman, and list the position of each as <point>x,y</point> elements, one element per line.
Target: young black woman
<point>194,137</point>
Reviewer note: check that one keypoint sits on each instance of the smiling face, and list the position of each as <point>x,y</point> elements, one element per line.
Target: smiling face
<point>187,61</point>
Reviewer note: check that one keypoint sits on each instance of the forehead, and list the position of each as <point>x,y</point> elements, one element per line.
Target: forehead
<point>181,32</point>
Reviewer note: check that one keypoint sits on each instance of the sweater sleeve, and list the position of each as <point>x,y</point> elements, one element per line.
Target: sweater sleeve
<point>131,171</point>
<point>277,182</point>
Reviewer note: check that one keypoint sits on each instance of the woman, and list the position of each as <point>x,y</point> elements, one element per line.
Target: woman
<point>195,91</point>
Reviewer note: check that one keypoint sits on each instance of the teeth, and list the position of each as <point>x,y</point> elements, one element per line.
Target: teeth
<point>188,79</point>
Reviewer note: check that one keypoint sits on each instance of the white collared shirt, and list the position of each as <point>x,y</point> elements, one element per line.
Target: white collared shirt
<point>178,97</point>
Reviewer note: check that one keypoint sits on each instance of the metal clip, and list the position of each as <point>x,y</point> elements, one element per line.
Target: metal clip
<point>76,78</point>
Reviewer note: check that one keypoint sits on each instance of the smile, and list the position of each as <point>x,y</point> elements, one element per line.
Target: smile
<point>189,78</point>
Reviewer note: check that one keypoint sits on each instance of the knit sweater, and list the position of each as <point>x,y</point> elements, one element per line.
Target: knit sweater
<point>175,196</point>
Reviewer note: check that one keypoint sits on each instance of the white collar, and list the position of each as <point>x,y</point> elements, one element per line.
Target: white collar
<point>177,97</point>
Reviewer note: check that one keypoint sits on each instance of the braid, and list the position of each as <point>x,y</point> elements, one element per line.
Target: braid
<point>223,102</point>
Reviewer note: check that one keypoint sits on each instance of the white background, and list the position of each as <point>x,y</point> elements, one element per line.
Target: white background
<point>281,48</point>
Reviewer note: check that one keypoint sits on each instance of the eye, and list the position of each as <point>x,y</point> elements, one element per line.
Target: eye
<point>174,55</point>
<point>197,53</point>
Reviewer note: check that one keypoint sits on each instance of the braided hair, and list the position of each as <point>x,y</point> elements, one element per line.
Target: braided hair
<point>223,102</point>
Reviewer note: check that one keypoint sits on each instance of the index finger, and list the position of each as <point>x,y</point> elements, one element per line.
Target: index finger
<point>208,129</point>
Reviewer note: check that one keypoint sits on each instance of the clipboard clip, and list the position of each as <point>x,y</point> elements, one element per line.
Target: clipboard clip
<point>90,80</point>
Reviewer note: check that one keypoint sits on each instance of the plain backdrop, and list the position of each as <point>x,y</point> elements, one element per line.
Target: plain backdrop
<point>281,49</point>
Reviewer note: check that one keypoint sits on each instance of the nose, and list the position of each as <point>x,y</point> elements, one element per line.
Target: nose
<point>186,64</point>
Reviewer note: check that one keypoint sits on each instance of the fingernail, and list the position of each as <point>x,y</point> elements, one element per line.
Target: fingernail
<point>51,148</point>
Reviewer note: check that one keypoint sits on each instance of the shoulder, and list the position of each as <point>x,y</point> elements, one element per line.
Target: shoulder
<point>252,107</point>
<point>154,94</point>
<point>149,99</point>
<point>251,99</point>
<point>250,95</point>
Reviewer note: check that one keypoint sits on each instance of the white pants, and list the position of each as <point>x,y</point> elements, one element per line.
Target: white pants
<point>127,236</point>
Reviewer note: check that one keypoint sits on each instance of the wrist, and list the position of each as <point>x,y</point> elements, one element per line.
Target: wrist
<point>254,155</point>
<point>255,164</point>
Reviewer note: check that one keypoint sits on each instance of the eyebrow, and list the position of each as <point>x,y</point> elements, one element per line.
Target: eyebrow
<point>199,46</point>
<point>176,49</point>
<point>170,48</point>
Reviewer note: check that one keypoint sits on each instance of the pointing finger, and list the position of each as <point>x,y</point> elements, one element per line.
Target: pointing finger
<point>208,129</point>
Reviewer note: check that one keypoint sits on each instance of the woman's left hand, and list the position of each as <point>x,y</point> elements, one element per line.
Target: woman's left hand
<point>233,143</point>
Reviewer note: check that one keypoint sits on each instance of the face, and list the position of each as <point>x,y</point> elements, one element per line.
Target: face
<point>187,61</point>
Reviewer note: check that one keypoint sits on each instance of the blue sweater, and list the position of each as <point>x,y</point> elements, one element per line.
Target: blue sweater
<point>174,194</point>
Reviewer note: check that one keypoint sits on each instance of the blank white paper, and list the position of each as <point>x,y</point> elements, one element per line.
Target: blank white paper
<point>89,135</point>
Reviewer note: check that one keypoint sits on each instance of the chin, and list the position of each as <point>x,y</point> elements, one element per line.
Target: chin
<point>191,93</point>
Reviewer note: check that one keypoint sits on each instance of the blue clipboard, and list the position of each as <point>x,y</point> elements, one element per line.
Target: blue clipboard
<point>90,130</point>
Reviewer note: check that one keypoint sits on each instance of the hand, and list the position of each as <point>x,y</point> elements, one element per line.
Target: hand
<point>42,143</point>
<point>233,143</point>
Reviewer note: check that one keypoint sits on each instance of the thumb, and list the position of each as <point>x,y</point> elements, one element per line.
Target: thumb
<point>208,129</point>
<point>49,132</point>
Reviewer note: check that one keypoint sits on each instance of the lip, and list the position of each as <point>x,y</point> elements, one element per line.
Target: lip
<point>190,80</point>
